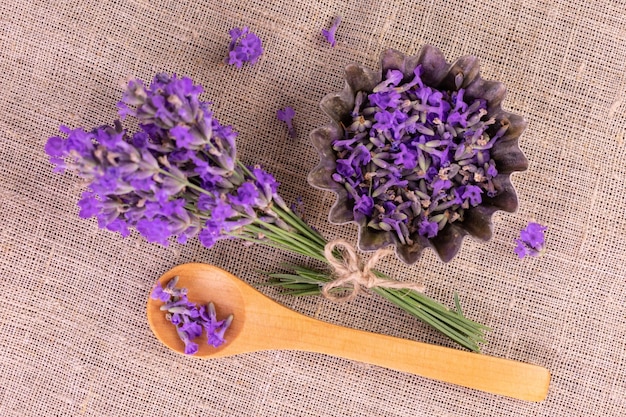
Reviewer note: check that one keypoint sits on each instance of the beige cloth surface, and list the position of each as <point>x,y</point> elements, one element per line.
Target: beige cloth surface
<point>73,334</point>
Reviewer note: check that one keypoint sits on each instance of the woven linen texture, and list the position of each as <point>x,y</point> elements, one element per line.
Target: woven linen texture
<point>73,335</point>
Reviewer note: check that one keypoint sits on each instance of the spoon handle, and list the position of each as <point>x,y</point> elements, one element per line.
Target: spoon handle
<point>486,373</point>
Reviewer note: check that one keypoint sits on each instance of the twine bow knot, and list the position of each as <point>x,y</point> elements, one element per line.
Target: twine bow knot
<point>350,272</point>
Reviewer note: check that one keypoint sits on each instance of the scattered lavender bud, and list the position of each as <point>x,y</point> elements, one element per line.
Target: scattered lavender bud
<point>532,241</point>
<point>190,318</point>
<point>244,46</point>
<point>286,115</point>
<point>330,33</point>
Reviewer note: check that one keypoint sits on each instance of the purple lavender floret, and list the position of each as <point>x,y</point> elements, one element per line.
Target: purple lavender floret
<point>532,241</point>
<point>189,318</point>
<point>244,46</point>
<point>177,175</point>
<point>158,293</point>
<point>364,205</point>
<point>216,338</point>
<point>330,33</point>
<point>286,115</point>
<point>215,328</point>
<point>428,229</point>
<point>428,152</point>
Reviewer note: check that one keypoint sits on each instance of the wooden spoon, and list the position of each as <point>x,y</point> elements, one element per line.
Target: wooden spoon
<point>262,324</point>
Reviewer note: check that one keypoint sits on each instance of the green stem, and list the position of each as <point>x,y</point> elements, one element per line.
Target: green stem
<point>277,244</point>
<point>295,236</point>
<point>280,241</point>
<point>245,169</point>
<point>186,183</point>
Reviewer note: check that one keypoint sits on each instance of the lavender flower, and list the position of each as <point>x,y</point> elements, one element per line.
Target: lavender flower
<point>190,318</point>
<point>177,176</point>
<point>428,152</point>
<point>532,241</point>
<point>298,207</point>
<point>215,329</point>
<point>330,33</point>
<point>286,115</point>
<point>244,46</point>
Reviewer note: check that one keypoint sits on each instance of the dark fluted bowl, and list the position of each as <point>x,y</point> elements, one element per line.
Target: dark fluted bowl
<point>437,73</point>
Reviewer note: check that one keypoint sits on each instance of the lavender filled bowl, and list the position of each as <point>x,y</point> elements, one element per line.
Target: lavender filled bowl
<point>419,153</point>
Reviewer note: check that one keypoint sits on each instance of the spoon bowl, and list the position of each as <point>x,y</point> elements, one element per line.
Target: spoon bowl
<point>262,324</point>
<point>205,284</point>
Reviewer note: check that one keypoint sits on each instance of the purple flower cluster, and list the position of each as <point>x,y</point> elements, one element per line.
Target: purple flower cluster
<point>178,175</point>
<point>229,210</point>
<point>244,46</point>
<point>414,158</point>
<point>532,241</point>
<point>189,318</point>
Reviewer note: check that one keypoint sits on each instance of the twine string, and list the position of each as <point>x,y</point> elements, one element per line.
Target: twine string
<point>354,276</point>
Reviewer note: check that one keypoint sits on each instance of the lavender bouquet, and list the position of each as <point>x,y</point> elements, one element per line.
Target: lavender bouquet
<point>179,176</point>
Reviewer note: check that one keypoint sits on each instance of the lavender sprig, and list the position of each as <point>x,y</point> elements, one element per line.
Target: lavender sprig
<point>179,176</point>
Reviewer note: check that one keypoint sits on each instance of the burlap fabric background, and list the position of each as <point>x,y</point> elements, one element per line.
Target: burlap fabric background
<point>73,334</point>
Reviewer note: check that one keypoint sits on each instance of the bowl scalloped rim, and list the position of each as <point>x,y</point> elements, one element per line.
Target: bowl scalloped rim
<point>438,73</point>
